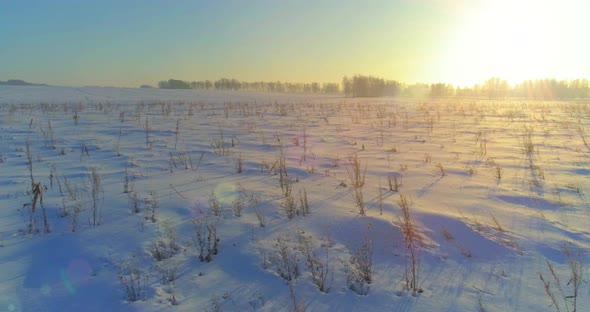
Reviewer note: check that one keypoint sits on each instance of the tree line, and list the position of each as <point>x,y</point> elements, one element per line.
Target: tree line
<point>538,89</point>
<point>261,86</point>
<point>371,86</point>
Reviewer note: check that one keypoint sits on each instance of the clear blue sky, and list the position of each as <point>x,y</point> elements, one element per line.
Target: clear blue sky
<point>128,43</point>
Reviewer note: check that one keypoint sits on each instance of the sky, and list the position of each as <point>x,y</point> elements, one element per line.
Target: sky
<point>132,42</point>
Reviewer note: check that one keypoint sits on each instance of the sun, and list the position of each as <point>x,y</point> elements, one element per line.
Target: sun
<point>513,40</point>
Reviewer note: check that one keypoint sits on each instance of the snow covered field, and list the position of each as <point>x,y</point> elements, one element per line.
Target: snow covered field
<point>165,200</point>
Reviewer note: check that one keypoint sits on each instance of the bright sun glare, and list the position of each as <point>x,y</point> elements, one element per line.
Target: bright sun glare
<point>514,40</point>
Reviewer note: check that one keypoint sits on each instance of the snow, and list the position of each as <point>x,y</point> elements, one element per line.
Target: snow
<point>484,239</point>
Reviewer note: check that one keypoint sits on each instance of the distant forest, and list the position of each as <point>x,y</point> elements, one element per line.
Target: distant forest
<point>370,86</point>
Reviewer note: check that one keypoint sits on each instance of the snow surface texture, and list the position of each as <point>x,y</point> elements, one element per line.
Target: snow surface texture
<point>496,189</point>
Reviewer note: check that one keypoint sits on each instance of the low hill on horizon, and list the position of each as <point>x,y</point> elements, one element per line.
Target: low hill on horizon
<point>18,82</point>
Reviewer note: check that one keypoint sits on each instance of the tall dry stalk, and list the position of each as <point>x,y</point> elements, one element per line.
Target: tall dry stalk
<point>29,160</point>
<point>413,241</point>
<point>176,133</point>
<point>357,174</point>
<point>569,298</point>
<point>147,133</point>
<point>97,196</point>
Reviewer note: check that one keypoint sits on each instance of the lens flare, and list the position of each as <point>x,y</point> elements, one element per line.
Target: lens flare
<point>226,193</point>
<point>77,272</point>
<point>46,290</point>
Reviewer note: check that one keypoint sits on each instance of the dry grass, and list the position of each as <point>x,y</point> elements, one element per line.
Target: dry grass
<point>97,196</point>
<point>394,183</point>
<point>557,293</point>
<point>205,238</point>
<point>356,175</point>
<point>413,242</point>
